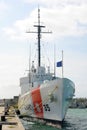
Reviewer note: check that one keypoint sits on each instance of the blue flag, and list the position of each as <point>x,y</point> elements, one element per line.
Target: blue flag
<point>59,64</point>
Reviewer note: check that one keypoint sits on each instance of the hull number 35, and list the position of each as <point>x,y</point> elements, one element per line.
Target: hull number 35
<point>46,107</point>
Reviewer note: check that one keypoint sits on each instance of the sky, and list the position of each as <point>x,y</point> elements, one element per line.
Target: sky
<point>67,19</point>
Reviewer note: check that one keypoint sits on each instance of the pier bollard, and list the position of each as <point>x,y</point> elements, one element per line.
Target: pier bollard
<point>0,127</point>
<point>2,118</point>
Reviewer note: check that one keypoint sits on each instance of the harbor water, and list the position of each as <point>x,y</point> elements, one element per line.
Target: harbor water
<point>76,119</point>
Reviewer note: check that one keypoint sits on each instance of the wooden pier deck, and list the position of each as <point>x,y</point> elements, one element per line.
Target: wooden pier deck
<point>12,121</point>
<point>1,111</point>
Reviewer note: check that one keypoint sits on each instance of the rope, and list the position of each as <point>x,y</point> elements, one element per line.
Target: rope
<point>24,100</point>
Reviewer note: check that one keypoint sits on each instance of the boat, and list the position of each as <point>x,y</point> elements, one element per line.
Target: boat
<point>43,95</point>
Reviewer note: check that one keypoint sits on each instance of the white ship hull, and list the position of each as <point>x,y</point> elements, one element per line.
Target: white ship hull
<point>50,100</point>
<point>43,95</point>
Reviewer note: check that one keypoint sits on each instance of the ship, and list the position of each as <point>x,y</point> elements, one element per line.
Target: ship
<point>43,95</point>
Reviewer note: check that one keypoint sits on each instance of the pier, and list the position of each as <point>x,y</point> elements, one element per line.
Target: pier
<point>9,121</point>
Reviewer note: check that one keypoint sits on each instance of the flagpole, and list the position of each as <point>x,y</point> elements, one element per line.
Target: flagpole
<point>62,65</point>
<point>54,61</point>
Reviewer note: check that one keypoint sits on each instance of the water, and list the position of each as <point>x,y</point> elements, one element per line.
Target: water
<point>76,119</point>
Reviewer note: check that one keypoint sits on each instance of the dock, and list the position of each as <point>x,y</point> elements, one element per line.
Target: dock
<point>10,121</point>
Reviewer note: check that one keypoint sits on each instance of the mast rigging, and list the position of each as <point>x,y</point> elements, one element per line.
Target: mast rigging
<point>39,27</point>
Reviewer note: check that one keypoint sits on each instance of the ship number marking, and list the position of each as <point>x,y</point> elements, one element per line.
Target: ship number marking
<point>46,107</point>
<point>29,107</point>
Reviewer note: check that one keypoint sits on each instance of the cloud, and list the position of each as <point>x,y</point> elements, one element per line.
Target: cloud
<point>19,28</point>
<point>75,69</point>
<point>11,68</point>
<point>3,8</point>
<point>56,3</point>
<point>63,20</point>
<point>9,91</point>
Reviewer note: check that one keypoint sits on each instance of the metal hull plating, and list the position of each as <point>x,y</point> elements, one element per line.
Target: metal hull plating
<point>50,100</point>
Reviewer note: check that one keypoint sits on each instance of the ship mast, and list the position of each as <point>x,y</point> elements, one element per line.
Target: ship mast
<point>39,37</point>
<point>39,27</point>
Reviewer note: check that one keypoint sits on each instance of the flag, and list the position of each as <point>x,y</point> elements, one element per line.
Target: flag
<point>59,64</point>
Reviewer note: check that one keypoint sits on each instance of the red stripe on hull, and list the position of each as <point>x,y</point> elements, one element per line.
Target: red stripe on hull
<point>37,102</point>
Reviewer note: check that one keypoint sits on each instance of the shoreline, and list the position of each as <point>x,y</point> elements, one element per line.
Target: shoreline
<point>78,103</point>
<point>75,103</point>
